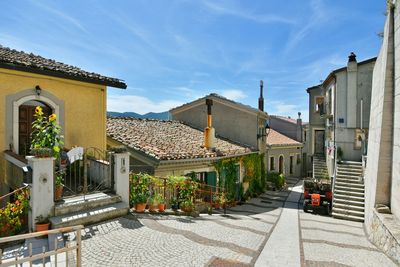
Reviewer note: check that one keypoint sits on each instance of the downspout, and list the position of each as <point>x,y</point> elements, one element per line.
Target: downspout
<point>334,141</point>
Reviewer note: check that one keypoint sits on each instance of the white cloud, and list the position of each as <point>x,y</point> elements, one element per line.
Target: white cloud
<point>237,11</point>
<point>233,94</point>
<point>138,104</point>
<point>284,109</point>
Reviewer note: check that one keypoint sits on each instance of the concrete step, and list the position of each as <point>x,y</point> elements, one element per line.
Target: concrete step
<point>350,179</point>
<point>348,211</point>
<point>90,216</point>
<point>348,207</point>
<point>347,217</point>
<point>351,185</point>
<point>348,202</point>
<point>348,193</point>
<point>344,176</point>
<point>348,162</point>
<point>349,168</point>
<point>349,188</point>
<point>349,197</point>
<point>80,203</point>
<point>348,173</point>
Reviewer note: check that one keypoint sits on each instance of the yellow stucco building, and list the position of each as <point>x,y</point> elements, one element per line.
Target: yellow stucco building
<point>77,97</point>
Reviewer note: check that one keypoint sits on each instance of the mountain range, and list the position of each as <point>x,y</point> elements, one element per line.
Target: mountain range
<point>151,115</point>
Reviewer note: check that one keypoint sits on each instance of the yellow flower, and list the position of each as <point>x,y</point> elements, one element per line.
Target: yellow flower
<point>38,110</point>
<point>52,117</point>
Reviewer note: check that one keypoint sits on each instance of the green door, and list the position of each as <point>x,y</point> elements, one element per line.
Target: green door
<point>211,179</point>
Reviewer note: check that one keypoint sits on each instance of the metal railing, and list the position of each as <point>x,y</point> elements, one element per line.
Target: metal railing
<point>28,256</point>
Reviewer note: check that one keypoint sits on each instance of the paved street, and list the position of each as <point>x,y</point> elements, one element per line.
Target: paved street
<point>265,232</point>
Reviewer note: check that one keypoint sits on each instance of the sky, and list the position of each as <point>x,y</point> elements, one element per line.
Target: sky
<point>171,52</point>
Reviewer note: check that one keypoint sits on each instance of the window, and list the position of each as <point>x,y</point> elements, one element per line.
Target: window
<point>298,160</point>
<point>305,136</point>
<point>319,104</point>
<point>271,163</point>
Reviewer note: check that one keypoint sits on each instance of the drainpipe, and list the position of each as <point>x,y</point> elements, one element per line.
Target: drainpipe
<point>334,141</point>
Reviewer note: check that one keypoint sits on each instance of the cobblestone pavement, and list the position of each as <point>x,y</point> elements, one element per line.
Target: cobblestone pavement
<point>234,239</point>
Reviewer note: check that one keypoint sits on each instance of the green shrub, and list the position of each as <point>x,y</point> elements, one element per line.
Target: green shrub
<point>278,179</point>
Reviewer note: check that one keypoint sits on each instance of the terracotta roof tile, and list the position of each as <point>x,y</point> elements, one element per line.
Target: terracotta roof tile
<point>277,139</point>
<point>13,59</point>
<point>167,140</point>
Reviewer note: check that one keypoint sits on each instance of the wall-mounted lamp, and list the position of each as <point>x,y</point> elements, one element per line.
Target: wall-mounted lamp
<point>38,90</point>
<point>266,132</point>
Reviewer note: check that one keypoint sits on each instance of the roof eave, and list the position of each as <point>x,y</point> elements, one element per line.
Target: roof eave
<point>120,85</point>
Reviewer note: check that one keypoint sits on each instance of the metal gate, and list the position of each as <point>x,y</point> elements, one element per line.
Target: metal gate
<point>85,171</point>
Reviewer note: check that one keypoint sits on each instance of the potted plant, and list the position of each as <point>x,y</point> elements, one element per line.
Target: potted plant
<point>187,206</point>
<point>42,223</point>
<point>161,203</point>
<point>153,204</point>
<point>215,201</point>
<point>174,204</point>
<point>140,201</point>
<point>59,185</point>
<point>46,135</point>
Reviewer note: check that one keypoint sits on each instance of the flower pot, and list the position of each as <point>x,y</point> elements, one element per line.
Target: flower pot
<point>187,209</point>
<point>140,207</point>
<point>216,205</point>
<point>58,192</point>
<point>153,208</point>
<point>42,227</point>
<point>161,207</point>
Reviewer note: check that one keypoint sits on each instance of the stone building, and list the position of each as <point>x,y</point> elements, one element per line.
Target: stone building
<point>382,176</point>
<point>295,129</point>
<point>283,154</point>
<point>163,148</point>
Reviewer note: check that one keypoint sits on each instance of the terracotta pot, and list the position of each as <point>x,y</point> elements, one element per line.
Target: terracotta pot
<point>42,227</point>
<point>161,207</point>
<point>59,191</point>
<point>153,208</point>
<point>186,209</point>
<point>216,205</point>
<point>140,207</point>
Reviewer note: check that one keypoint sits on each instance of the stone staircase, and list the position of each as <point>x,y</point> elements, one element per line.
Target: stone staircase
<point>88,209</point>
<point>320,170</point>
<point>348,195</point>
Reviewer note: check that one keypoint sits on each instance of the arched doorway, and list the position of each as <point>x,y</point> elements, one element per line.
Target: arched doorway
<point>26,113</point>
<point>281,164</point>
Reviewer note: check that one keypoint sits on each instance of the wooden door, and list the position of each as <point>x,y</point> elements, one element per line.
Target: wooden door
<point>319,142</point>
<point>281,164</point>
<point>26,118</point>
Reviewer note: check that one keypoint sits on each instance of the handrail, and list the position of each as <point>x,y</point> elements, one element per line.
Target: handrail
<point>41,233</point>
<point>14,192</point>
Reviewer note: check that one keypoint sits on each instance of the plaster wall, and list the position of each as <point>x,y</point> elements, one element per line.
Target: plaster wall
<point>276,152</point>
<point>235,124</point>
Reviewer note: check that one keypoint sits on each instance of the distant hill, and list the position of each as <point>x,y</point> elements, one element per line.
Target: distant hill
<point>151,115</point>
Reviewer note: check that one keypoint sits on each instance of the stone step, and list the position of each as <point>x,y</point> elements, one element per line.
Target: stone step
<point>81,203</point>
<point>347,217</point>
<point>349,197</point>
<point>348,202</point>
<point>348,173</point>
<point>90,216</point>
<point>348,207</point>
<point>349,178</point>
<point>352,185</point>
<point>349,188</point>
<point>348,193</point>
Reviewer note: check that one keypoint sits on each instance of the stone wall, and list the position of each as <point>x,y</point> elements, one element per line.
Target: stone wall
<point>382,178</point>
<point>385,233</point>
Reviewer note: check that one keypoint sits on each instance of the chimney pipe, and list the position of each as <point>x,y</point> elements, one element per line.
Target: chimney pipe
<point>261,98</point>
<point>209,131</point>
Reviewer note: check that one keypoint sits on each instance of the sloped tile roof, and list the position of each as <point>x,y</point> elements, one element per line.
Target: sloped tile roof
<point>168,140</point>
<point>18,60</point>
<point>277,139</point>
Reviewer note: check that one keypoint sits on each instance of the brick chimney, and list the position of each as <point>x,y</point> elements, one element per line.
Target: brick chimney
<point>209,131</point>
<point>299,128</point>
<point>261,98</point>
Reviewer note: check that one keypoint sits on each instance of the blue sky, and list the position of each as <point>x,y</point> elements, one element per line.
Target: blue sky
<point>172,52</point>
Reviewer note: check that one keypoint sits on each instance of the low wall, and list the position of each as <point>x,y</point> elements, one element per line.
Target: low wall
<point>384,232</point>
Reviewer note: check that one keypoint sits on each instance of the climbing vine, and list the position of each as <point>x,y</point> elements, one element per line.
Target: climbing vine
<point>254,174</point>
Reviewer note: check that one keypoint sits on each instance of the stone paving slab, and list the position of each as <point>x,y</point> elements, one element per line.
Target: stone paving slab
<point>346,256</point>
